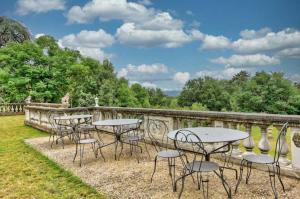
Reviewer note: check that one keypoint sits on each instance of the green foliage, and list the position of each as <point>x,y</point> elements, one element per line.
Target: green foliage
<point>264,92</point>
<point>207,91</point>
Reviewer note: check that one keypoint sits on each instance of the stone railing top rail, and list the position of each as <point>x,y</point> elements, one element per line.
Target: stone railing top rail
<point>253,118</point>
<point>53,105</point>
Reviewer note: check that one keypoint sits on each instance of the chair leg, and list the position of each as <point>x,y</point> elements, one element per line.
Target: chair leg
<point>155,161</point>
<point>249,169</point>
<point>272,178</point>
<point>147,149</point>
<point>81,153</point>
<point>75,153</point>
<point>225,184</point>
<point>199,180</point>
<point>241,174</point>
<point>279,177</point>
<point>182,185</point>
<point>205,192</point>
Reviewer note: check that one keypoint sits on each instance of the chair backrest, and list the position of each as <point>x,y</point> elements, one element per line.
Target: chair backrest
<point>54,123</point>
<point>157,131</point>
<point>188,141</point>
<point>279,144</point>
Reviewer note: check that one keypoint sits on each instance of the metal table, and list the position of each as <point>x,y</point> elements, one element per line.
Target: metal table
<point>212,135</point>
<point>118,130</point>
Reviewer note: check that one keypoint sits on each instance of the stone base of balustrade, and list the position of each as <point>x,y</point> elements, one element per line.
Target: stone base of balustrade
<point>11,113</point>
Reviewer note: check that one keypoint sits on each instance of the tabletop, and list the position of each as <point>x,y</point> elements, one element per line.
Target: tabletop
<point>116,122</point>
<point>72,117</point>
<point>212,134</point>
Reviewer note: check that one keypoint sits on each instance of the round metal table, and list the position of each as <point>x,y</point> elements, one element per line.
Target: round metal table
<point>211,135</point>
<point>118,130</point>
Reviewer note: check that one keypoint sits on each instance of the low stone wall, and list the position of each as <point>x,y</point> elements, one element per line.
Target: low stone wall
<point>37,117</point>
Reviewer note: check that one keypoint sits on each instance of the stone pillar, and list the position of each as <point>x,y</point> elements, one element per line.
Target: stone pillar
<point>295,148</point>
<point>249,142</point>
<point>264,144</point>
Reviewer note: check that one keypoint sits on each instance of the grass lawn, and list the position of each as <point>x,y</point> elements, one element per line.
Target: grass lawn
<point>25,173</point>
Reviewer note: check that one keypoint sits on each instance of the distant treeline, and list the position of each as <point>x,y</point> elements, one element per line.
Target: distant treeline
<point>46,72</point>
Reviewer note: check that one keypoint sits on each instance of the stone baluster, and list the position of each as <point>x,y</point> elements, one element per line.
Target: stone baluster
<point>190,123</point>
<point>235,145</point>
<point>282,144</point>
<point>249,142</point>
<point>270,132</point>
<point>264,144</point>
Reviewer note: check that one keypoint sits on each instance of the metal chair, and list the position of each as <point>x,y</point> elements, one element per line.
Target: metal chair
<point>157,131</point>
<point>59,130</point>
<point>133,135</point>
<point>85,127</point>
<point>264,159</point>
<point>81,142</point>
<point>189,142</point>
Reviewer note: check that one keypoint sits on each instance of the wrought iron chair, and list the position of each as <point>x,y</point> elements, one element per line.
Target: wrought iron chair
<point>264,159</point>
<point>187,141</point>
<point>157,131</point>
<point>85,127</point>
<point>59,129</point>
<point>81,142</point>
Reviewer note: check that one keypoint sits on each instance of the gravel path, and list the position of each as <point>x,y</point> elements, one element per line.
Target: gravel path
<point>128,179</point>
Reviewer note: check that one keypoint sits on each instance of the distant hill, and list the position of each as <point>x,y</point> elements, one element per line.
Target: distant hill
<point>172,93</point>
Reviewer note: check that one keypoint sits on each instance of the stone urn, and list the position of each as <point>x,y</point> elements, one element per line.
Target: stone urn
<point>296,139</point>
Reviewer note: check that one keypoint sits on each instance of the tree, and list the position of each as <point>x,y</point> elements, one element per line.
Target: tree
<point>12,31</point>
<point>206,91</point>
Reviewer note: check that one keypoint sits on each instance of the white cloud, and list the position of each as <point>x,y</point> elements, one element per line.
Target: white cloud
<point>244,61</point>
<point>215,42</point>
<point>89,39</point>
<point>130,34</point>
<point>156,68</point>
<point>289,52</point>
<point>39,35</point>
<point>109,10</point>
<point>181,77</point>
<point>25,7</point>
<point>287,38</point>
<point>226,73</point>
<point>161,21</point>
<point>89,43</point>
<point>253,34</point>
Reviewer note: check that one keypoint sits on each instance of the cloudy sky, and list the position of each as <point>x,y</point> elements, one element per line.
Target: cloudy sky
<point>163,43</point>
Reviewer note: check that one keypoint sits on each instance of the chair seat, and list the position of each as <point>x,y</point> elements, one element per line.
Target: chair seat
<point>87,141</point>
<point>206,166</point>
<point>135,137</point>
<point>169,154</point>
<point>259,159</point>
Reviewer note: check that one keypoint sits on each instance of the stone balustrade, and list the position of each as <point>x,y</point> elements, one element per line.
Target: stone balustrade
<point>12,108</point>
<point>176,119</point>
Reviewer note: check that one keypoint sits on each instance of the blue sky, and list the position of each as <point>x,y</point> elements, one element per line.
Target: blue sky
<point>163,43</point>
